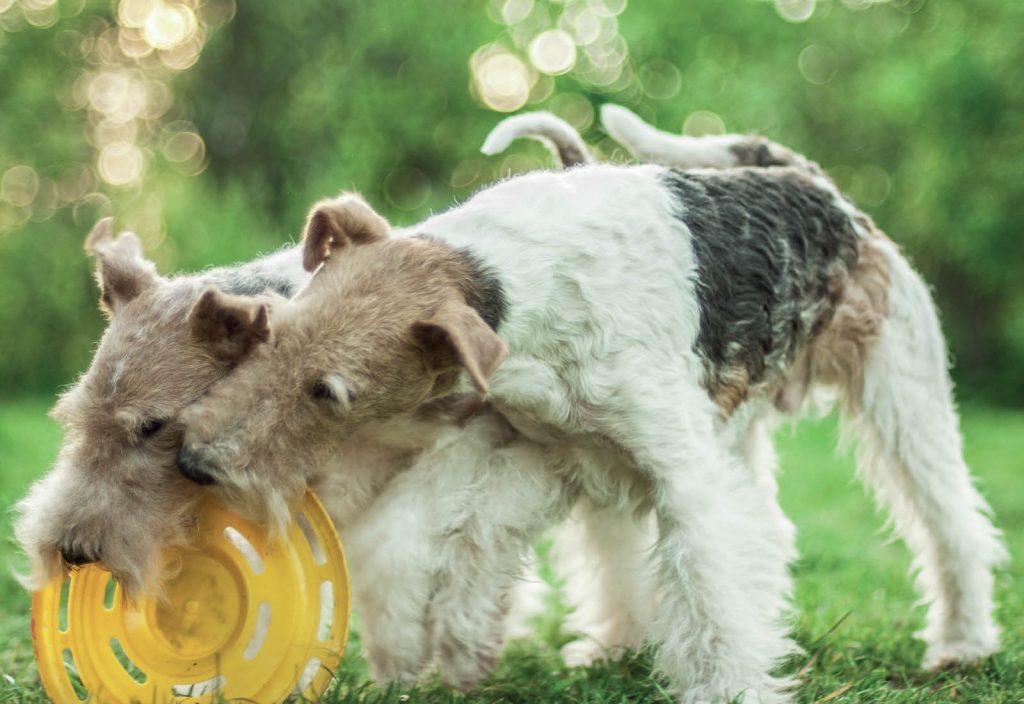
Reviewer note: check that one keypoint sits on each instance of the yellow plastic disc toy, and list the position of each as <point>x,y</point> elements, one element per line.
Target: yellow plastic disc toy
<point>244,618</point>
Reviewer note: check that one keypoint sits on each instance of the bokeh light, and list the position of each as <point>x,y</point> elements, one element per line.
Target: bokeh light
<point>518,164</point>
<point>407,188</point>
<point>574,109</point>
<point>186,150</point>
<point>134,13</point>
<point>501,79</point>
<point>703,122</point>
<point>795,10</point>
<point>466,174</point>
<point>121,163</point>
<point>553,52</point>
<point>76,180</point>
<point>122,85</point>
<point>871,185</point>
<point>660,80</point>
<point>515,11</point>
<point>19,185</point>
<point>579,38</point>
<point>167,26</point>
<point>817,63</point>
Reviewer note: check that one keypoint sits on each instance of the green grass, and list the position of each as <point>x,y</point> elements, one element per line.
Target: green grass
<point>855,612</point>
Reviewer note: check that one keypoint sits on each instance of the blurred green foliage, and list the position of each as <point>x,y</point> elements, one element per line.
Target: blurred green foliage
<point>914,106</point>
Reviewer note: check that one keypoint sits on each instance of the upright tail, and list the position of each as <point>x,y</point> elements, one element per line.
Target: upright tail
<point>725,151</point>
<point>556,134</point>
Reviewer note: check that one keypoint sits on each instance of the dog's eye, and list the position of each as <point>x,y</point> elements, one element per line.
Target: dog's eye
<point>334,390</point>
<point>322,392</point>
<point>151,427</point>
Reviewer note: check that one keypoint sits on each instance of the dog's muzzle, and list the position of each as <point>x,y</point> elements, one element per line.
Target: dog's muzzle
<point>194,467</point>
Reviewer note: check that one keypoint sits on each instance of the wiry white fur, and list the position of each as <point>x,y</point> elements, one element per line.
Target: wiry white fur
<point>557,135</point>
<point>442,548</point>
<point>650,144</point>
<point>602,556</point>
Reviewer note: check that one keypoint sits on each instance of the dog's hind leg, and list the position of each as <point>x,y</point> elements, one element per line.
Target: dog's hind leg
<point>910,453</point>
<point>601,555</point>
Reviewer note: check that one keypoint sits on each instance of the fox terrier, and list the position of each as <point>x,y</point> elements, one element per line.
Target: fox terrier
<point>638,324</point>
<point>599,552</point>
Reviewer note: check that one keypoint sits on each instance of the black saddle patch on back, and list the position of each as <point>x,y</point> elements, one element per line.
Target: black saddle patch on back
<point>768,245</point>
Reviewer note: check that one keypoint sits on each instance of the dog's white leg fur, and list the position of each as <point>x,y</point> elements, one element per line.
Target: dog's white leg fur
<point>601,555</point>
<point>720,568</point>
<point>440,552</point>
<point>390,561</point>
<point>758,452</point>
<point>489,525</point>
<point>910,453</point>
<point>528,600</point>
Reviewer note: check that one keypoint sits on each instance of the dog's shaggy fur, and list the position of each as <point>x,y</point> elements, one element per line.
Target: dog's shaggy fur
<point>654,321</point>
<point>116,496</point>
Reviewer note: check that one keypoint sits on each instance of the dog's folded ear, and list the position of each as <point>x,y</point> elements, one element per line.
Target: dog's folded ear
<point>335,223</point>
<point>122,271</point>
<point>457,337</point>
<point>228,326</point>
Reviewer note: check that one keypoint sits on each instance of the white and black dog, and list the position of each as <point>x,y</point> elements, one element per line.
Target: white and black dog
<point>654,322</point>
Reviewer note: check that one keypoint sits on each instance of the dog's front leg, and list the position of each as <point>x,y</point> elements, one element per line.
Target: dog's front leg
<point>497,501</point>
<point>389,556</point>
<point>435,557</point>
<point>720,568</point>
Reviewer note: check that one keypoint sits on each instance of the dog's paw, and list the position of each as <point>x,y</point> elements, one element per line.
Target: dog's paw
<point>463,669</point>
<point>398,664</point>
<point>942,656</point>
<point>587,651</point>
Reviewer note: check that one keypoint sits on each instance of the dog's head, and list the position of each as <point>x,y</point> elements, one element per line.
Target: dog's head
<point>383,327</point>
<point>115,495</point>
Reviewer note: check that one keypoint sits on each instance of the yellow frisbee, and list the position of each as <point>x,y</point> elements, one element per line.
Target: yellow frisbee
<point>244,618</point>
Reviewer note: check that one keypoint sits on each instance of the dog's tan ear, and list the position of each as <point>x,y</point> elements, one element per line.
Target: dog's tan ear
<point>335,223</point>
<point>229,326</point>
<point>456,336</point>
<point>122,271</point>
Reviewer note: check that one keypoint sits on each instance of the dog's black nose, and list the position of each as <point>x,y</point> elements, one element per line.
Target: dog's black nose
<point>193,467</point>
<point>75,556</point>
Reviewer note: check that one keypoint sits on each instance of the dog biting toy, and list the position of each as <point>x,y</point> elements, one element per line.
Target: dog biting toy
<point>244,618</point>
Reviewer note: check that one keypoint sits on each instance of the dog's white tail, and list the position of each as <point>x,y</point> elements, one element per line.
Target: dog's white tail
<point>711,151</point>
<point>555,133</point>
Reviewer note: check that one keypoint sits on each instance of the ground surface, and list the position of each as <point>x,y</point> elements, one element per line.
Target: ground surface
<point>855,612</point>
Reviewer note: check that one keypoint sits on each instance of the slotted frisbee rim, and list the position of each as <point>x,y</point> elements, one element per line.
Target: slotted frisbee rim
<point>290,583</point>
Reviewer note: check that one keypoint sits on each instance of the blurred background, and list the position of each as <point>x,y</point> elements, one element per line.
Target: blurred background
<point>209,127</point>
